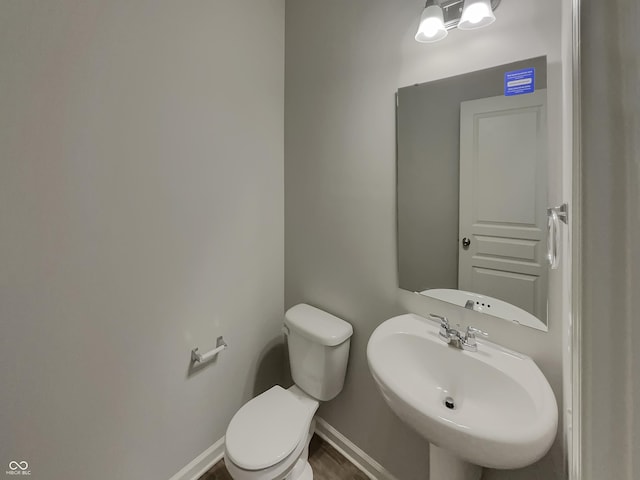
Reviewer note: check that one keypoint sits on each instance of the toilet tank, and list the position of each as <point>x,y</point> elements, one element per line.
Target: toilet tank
<point>318,345</point>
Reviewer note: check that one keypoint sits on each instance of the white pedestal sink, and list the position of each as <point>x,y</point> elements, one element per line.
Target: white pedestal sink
<point>491,408</point>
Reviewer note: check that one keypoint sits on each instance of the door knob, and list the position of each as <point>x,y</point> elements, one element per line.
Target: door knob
<point>466,242</point>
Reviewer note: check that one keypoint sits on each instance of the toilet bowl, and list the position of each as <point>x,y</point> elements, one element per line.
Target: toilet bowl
<point>268,438</point>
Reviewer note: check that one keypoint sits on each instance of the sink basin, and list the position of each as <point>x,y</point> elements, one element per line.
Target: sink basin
<point>493,408</point>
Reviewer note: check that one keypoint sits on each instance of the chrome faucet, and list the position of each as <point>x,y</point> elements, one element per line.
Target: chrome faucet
<point>453,336</point>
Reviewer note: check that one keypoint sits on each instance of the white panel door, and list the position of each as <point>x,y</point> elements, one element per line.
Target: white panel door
<point>503,198</point>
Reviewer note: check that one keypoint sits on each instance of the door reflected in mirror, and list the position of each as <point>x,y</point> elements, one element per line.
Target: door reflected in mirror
<point>472,187</point>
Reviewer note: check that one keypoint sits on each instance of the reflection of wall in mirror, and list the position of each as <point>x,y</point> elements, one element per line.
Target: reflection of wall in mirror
<point>428,148</point>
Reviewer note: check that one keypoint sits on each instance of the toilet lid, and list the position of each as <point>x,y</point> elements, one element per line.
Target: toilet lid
<point>266,429</point>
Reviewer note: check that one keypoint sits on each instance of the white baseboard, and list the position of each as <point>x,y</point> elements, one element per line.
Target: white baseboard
<point>355,455</point>
<point>367,465</point>
<point>203,462</point>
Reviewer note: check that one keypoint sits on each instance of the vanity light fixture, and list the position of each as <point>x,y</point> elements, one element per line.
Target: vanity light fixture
<point>440,16</point>
<point>476,14</point>
<point>431,27</point>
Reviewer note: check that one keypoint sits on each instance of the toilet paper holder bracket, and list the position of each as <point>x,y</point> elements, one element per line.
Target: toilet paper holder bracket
<point>205,357</point>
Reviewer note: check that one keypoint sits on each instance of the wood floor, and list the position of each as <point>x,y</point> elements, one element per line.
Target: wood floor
<point>327,464</point>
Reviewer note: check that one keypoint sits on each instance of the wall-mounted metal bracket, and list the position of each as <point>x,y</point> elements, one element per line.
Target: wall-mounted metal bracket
<point>452,11</point>
<point>205,357</point>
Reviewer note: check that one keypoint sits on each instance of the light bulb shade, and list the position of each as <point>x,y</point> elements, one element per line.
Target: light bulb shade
<point>476,14</point>
<point>431,28</point>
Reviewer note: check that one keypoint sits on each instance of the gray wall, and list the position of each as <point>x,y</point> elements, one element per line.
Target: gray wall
<point>344,62</point>
<point>428,172</point>
<point>141,213</point>
<point>611,235</point>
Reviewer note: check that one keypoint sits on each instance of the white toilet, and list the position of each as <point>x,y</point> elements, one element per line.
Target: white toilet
<point>268,438</point>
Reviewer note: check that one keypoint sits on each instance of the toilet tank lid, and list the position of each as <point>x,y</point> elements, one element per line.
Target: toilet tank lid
<point>318,325</point>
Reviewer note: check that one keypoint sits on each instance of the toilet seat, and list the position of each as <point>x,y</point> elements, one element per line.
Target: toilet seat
<point>278,471</point>
<point>268,429</point>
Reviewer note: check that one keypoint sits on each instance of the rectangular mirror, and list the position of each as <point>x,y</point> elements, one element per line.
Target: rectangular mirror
<point>472,189</point>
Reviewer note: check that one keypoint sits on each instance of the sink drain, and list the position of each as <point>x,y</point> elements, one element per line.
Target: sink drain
<point>449,403</point>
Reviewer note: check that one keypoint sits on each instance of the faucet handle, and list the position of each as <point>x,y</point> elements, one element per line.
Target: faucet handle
<point>469,340</point>
<point>473,331</point>
<point>444,326</point>
<point>443,320</point>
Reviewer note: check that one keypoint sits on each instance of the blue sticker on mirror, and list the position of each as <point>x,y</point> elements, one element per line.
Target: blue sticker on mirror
<point>519,82</point>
